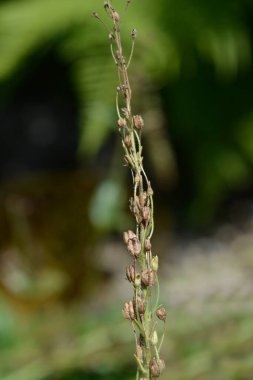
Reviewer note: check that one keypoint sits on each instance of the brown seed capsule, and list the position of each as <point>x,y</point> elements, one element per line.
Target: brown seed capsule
<point>138,122</point>
<point>148,277</point>
<point>115,16</point>
<point>130,273</point>
<point>139,305</point>
<point>146,213</point>
<point>122,122</point>
<point>128,311</point>
<point>156,367</point>
<point>161,314</point>
<point>134,247</point>
<point>147,245</point>
<point>128,141</point>
<point>128,235</point>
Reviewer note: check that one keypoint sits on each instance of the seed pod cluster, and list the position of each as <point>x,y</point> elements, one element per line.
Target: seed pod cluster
<point>142,271</point>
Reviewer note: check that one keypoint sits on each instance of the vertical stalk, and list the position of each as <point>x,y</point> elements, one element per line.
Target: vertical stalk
<point>142,273</point>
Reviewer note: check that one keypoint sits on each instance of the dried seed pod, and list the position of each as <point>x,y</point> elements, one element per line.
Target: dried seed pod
<point>122,122</point>
<point>128,235</point>
<point>138,218</point>
<point>147,245</point>
<point>128,311</point>
<point>154,263</point>
<point>115,16</point>
<point>130,273</point>
<point>156,367</point>
<point>128,141</point>
<point>138,122</point>
<point>134,247</point>
<point>139,305</point>
<point>146,213</point>
<point>148,277</point>
<point>161,314</point>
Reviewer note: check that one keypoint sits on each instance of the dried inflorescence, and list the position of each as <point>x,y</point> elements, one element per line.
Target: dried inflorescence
<point>142,273</point>
<point>156,367</point>
<point>129,311</point>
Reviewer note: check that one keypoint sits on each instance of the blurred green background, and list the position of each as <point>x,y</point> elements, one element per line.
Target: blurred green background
<point>63,192</point>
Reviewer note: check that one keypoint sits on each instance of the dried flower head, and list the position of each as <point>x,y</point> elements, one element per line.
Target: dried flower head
<point>161,314</point>
<point>130,273</point>
<point>138,122</point>
<point>146,213</point>
<point>128,235</point>
<point>128,141</point>
<point>148,277</point>
<point>134,247</point>
<point>122,122</point>
<point>115,16</point>
<point>139,305</point>
<point>128,311</point>
<point>140,310</point>
<point>156,367</point>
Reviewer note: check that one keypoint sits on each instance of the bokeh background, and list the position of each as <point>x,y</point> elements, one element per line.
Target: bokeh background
<point>64,191</point>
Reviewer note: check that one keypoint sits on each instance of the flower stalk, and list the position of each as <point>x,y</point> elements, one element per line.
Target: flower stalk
<point>141,311</point>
